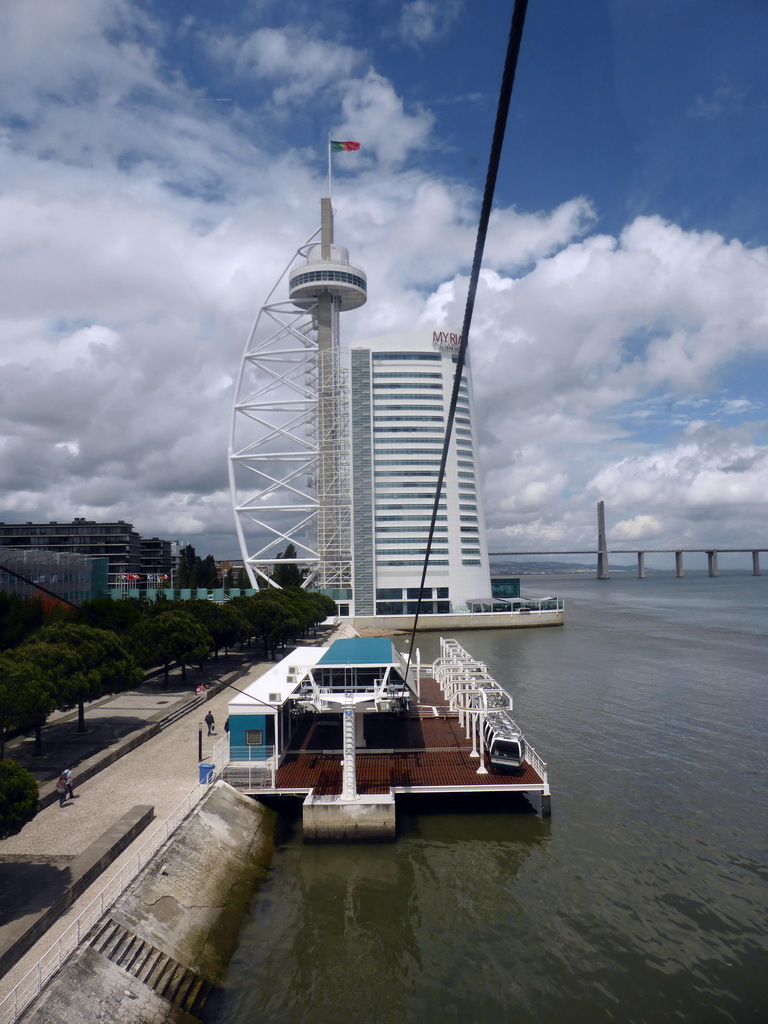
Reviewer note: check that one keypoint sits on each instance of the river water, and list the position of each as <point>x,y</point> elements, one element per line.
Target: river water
<point>643,899</point>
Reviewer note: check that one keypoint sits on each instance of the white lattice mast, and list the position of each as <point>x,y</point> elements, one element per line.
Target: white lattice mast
<point>289,458</point>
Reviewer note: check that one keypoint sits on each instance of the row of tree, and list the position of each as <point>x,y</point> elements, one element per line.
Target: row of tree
<point>69,657</point>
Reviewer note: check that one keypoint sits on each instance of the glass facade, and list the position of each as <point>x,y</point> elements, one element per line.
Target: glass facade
<point>403,398</point>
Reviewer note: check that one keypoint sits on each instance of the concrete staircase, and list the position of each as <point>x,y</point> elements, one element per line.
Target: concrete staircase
<point>179,985</point>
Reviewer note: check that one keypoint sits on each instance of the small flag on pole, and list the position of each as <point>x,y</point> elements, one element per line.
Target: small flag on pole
<point>344,147</point>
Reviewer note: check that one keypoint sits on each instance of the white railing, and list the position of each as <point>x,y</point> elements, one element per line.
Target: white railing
<point>458,674</point>
<point>33,982</point>
<point>539,766</point>
<point>247,768</point>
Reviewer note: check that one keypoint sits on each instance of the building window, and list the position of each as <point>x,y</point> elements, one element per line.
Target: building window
<point>407,462</point>
<point>413,386</point>
<point>254,737</point>
<point>407,472</point>
<point>379,406</point>
<point>413,518</point>
<point>389,594</point>
<point>407,430</point>
<point>421,531</point>
<point>470,561</point>
<point>392,419</point>
<point>406,374</point>
<point>391,564</point>
<point>422,357</point>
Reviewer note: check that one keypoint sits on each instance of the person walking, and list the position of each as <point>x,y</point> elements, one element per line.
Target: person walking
<point>67,774</point>
<point>61,789</point>
<point>209,721</point>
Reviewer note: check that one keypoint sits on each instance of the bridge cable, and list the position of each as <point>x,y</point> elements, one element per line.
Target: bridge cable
<point>505,94</point>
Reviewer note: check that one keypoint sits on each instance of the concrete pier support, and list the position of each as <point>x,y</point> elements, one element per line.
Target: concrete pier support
<point>679,564</point>
<point>330,819</point>
<point>755,563</point>
<point>641,565</point>
<point>712,563</point>
<point>603,570</point>
<point>546,805</point>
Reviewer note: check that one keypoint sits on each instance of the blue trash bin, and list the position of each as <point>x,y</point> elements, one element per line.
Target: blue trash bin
<point>206,772</point>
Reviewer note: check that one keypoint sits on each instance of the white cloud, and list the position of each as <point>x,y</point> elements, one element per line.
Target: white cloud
<point>372,111</point>
<point>297,65</point>
<point>643,527</point>
<point>142,231</point>
<point>422,21</point>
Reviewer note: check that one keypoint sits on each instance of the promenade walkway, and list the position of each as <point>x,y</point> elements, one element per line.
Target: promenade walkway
<point>162,772</point>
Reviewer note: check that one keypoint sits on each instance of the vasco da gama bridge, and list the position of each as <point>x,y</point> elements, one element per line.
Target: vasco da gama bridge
<point>602,552</point>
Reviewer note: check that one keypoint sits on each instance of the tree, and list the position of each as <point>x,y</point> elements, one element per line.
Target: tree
<point>186,575</point>
<point>31,677</point>
<point>287,575</point>
<point>18,617</point>
<point>172,636</point>
<point>208,573</point>
<point>120,615</point>
<point>18,798</point>
<point>98,660</point>
<point>225,624</point>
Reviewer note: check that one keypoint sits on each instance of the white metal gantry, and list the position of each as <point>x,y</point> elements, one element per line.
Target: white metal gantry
<point>289,448</point>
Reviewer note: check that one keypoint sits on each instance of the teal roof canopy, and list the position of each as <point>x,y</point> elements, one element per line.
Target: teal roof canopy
<point>360,651</point>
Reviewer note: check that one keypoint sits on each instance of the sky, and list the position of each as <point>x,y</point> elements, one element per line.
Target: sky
<point>162,160</point>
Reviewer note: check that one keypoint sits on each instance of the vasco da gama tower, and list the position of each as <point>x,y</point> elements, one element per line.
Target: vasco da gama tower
<point>336,450</point>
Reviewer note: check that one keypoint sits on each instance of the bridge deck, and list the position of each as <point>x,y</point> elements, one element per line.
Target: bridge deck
<point>423,752</point>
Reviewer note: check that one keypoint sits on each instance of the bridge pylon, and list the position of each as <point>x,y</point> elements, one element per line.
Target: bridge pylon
<point>603,569</point>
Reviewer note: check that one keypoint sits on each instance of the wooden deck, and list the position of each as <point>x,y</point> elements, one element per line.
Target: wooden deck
<point>424,752</point>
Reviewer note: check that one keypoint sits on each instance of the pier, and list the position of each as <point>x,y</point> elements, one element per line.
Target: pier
<point>349,765</point>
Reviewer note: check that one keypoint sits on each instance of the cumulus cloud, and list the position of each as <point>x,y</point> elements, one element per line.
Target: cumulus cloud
<point>422,21</point>
<point>142,232</point>
<point>640,528</point>
<point>297,65</point>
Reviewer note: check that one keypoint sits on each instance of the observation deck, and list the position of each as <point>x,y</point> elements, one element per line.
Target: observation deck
<point>333,276</point>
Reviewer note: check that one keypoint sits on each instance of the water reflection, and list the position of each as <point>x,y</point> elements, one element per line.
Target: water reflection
<point>382,932</point>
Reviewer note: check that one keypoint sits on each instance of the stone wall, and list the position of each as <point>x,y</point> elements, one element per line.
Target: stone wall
<point>167,941</point>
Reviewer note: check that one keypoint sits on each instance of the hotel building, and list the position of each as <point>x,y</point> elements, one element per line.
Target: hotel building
<point>400,390</point>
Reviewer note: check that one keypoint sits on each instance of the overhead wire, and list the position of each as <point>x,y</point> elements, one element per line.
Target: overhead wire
<point>502,112</point>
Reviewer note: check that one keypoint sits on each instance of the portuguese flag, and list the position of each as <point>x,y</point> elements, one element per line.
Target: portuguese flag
<point>344,147</point>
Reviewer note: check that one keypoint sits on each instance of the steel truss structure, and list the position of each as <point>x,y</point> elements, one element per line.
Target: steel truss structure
<point>289,449</point>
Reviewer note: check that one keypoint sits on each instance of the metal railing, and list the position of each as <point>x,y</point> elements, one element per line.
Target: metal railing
<point>247,768</point>
<point>459,676</point>
<point>33,982</point>
<point>539,766</point>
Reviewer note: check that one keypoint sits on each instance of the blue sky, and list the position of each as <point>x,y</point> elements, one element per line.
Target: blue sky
<point>162,160</point>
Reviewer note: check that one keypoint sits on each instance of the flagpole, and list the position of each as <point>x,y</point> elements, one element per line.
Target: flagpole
<point>329,164</point>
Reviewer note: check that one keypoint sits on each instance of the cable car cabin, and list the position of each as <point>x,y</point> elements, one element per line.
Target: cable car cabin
<point>504,743</point>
